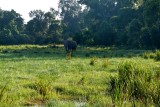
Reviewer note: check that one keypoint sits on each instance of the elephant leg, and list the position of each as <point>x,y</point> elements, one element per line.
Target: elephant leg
<point>69,54</point>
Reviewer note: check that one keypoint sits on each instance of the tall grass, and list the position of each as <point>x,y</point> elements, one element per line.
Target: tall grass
<point>43,87</point>
<point>135,83</point>
<point>153,55</point>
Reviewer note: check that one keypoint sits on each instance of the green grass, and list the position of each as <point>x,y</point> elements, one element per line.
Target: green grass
<point>42,75</point>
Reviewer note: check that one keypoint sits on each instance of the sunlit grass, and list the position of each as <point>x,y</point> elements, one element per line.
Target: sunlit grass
<point>42,75</point>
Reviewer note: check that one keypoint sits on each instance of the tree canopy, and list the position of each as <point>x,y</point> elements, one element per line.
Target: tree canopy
<point>129,23</point>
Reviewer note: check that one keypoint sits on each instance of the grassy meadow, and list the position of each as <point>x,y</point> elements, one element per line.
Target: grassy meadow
<point>32,75</point>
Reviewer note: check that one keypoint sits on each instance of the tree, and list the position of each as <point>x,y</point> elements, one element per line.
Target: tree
<point>152,19</point>
<point>11,25</point>
<point>133,32</point>
<point>42,26</point>
<point>70,14</point>
<point>54,32</point>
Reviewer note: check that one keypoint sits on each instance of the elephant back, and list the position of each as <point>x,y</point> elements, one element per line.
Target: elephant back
<point>70,45</point>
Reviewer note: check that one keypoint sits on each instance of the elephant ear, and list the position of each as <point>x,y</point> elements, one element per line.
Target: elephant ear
<point>69,44</point>
<point>65,43</point>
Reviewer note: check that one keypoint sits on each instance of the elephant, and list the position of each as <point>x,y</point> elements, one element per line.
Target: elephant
<point>70,45</point>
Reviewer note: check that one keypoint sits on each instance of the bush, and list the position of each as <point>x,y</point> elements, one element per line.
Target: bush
<point>157,58</point>
<point>149,55</point>
<point>146,56</point>
<point>16,51</point>
<point>47,52</point>
<point>105,64</point>
<point>93,61</point>
<point>155,55</point>
<point>5,51</point>
<point>43,87</point>
<point>87,54</point>
<point>135,83</point>
<point>130,55</point>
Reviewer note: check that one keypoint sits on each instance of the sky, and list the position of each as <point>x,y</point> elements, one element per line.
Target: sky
<point>23,7</point>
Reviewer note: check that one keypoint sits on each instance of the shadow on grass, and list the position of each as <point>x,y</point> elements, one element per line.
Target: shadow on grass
<point>109,53</point>
<point>44,52</point>
<point>38,53</point>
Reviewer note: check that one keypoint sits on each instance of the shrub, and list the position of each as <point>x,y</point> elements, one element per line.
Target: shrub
<point>130,55</point>
<point>43,87</point>
<point>155,55</point>
<point>5,51</point>
<point>47,52</point>
<point>135,83</point>
<point>152,55</point>
<point>105,64</point>
<point>93,61</point>
<point>146,55</point>
<point>149,55</point>
<point>87,54</point>
<point>16,51</point>
<point>157,58</point>
<point>60,89</point>
<point>104,56</point>
<point>116,90</point>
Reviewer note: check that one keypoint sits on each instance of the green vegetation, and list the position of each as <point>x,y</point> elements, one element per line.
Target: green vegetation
<point>136,83</point>
<point>42,75</point>
<point>153,55</point>
<point>122,23</point>
<point>101,75</point>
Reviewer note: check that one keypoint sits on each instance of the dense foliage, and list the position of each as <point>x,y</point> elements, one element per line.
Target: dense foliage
<point>131,23</point>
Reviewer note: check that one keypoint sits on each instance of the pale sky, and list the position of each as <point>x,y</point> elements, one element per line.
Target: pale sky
<point>25,6</point>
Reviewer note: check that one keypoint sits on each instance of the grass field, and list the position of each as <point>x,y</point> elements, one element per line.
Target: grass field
<point>32,75</point>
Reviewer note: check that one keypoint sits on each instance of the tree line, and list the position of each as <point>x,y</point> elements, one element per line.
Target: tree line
<point>128,23</point>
